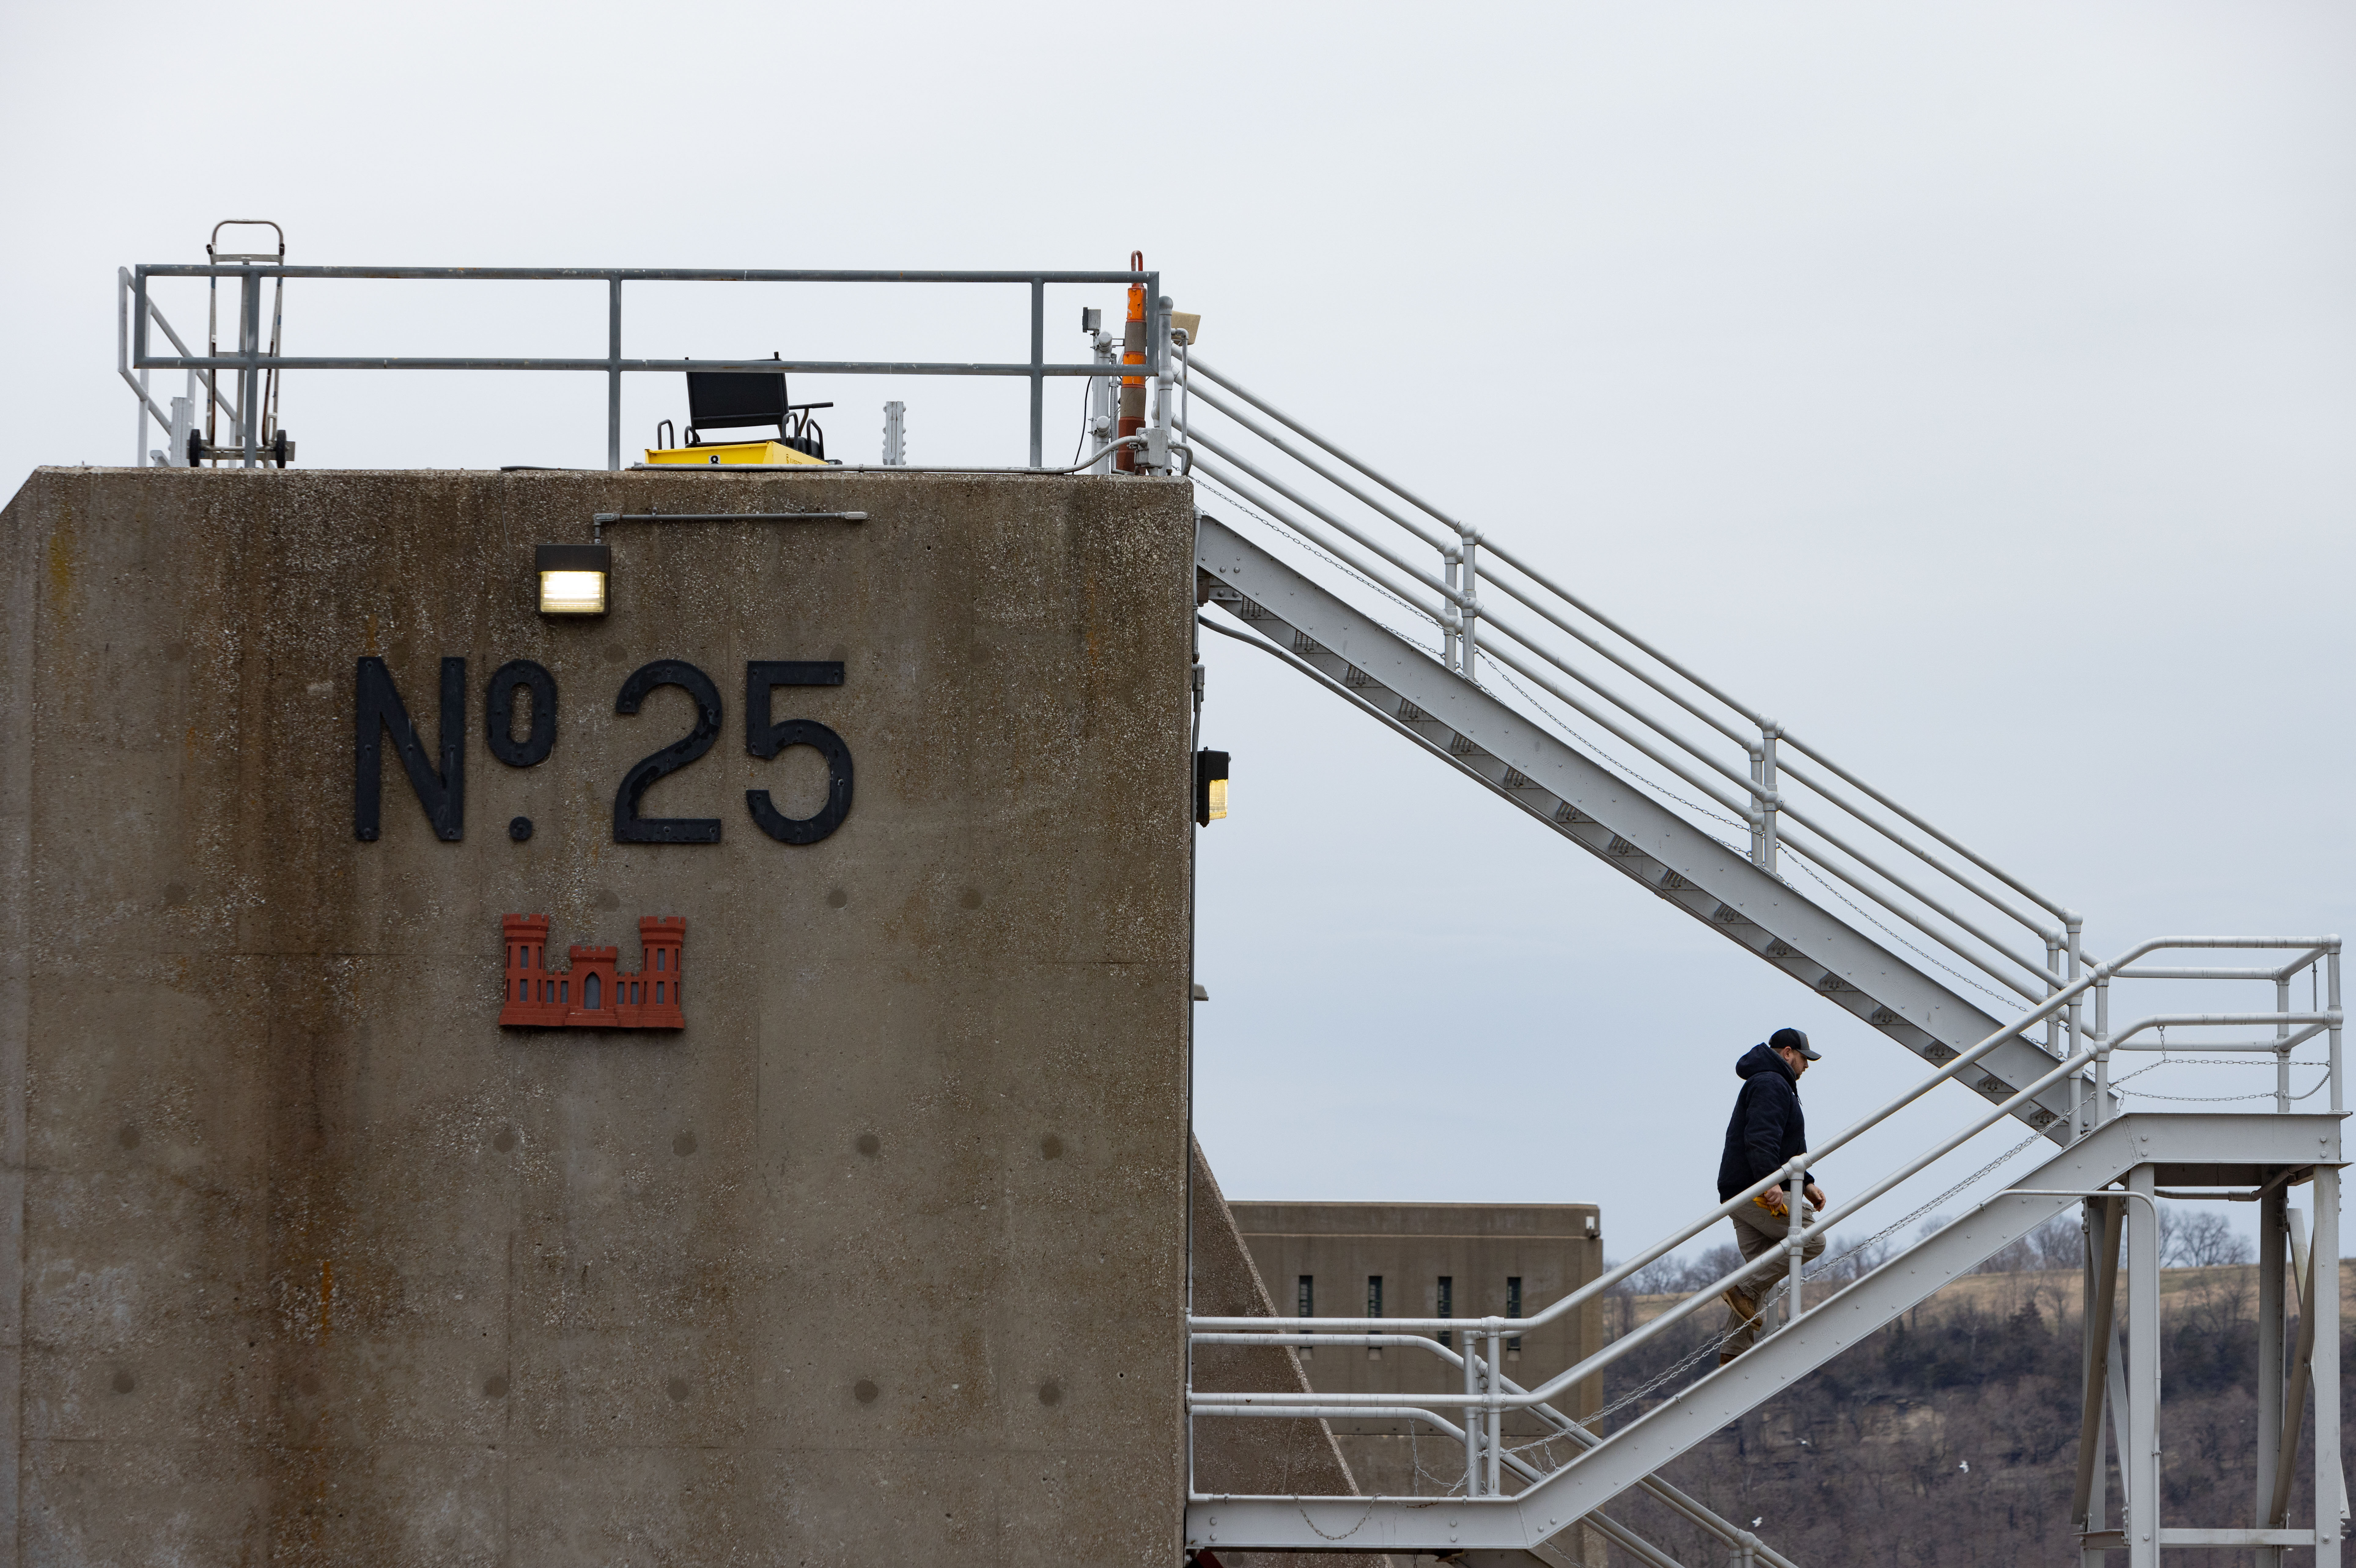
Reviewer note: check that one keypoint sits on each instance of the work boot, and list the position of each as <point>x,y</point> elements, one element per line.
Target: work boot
<point>1745,1308</point>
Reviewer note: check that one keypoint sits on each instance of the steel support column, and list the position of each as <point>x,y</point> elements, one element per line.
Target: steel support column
<point>2102,1277</point>
<point>2325,1261</point>
<point>2140,1453</point>
<point>2272,1229</point>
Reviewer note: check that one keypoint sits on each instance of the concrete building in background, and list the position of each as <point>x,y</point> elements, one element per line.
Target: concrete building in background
<point>877,1258</point>
<point>1435,1259</point>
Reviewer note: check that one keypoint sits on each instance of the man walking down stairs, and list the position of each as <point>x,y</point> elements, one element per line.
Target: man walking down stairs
<point>1766,1130</point>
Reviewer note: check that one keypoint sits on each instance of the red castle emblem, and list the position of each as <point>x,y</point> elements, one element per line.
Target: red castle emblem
<point>592,993</point>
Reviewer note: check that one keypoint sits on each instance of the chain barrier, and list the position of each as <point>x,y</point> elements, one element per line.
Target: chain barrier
<point>1866,915</point>
<point>2252,1059</point>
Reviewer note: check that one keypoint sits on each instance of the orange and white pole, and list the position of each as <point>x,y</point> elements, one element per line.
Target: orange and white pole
<point>1132,352</point>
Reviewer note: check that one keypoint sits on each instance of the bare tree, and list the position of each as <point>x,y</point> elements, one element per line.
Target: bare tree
<point>1849,1261</point>
<point>2200,1240</point>
<point>2059,1244</point>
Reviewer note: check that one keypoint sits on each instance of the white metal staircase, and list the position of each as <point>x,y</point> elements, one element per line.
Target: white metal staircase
<point>1604,814</point>
<point>1317,558</point>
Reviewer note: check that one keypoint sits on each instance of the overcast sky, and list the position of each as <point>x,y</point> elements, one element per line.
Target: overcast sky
<point>1970,387</point>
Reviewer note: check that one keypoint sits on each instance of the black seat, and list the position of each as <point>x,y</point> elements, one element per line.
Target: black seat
<point>731,400</point>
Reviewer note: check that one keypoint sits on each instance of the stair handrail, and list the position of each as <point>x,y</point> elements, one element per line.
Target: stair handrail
<point>2050,933</point>
<point>1566,1427</point>
<point>1295,661</point>
<point>1196,362</point>
<point>1762,802</point>
<point>1757,801</point>
<point>1679,1237</point>
<point>1766,1261</point>
<point>2097,1052</point>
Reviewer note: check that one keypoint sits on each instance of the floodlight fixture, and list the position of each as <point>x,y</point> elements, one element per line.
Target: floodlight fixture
<point>573,578</point>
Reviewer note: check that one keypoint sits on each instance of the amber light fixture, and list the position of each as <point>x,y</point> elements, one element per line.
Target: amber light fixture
<point>1210,787</point>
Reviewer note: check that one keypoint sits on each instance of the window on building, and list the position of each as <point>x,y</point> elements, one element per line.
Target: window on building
<point>565,991</point>
<point>1373,1295</point>
<point>1304,1300</point>
<point>589,990</point>
<point>658,958</point>
<point>1514,1309</point>
<point>658,992</point>
<point>1447,1295</point>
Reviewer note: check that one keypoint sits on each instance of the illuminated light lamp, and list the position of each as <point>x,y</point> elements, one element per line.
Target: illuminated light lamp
<point>1210,787</point>
<point>573,578</point>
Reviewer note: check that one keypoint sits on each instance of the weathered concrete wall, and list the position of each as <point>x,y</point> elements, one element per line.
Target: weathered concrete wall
<point>878,1260</point>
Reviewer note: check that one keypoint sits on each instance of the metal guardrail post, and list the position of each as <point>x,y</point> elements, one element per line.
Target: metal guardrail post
<point>249,380</point>
<point>1768,734</point>
<point>1496,1422</point>
<point>2072,1026</point>
<point>1472,608</point>
<point>1038,379</point>
<point>2332,973</point>
<point>613,374</point>
<point>2053,1025</point>
<point>2102,1051</point>
<point>2281,1052</point>
<point>1471,1435</point>
<point>1756,815</point>
<point>1796,1241</point>
<point>1451,561</point>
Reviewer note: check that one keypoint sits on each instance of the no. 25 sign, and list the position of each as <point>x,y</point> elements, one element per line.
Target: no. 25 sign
<point>377,712</point>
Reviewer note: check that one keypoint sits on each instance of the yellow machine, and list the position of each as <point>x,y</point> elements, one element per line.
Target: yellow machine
<point>725,452</point>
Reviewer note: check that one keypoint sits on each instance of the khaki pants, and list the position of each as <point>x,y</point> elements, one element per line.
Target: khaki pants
<point>1757,1231</point>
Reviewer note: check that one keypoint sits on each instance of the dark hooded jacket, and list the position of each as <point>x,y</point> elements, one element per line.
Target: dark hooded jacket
<point>1767,1127</point>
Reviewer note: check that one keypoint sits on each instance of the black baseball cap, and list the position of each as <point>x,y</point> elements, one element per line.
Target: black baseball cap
<point>1795,1040</point>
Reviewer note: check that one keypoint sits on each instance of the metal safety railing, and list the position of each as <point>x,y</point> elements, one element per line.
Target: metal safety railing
<point>1487,1394</point>
<point>251,362</point>
<point>1783,797</point>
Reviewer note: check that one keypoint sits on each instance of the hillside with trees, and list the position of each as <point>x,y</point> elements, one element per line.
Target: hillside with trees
<point>1950,1438</point>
